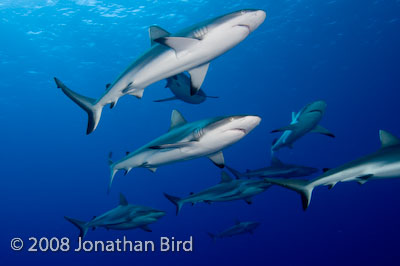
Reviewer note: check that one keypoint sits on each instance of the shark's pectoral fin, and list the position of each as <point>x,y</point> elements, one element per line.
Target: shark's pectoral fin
<point>289,127</point>
<point>248,201</point>
<point>156,32</point>
<point>172,145</point>
<point>275,161</point>
<point>166,99</point>
<point>197,76</point>
<point>146,228</point>
<point>179,44</point>
<point>218,159</point>
<point>321,130</point>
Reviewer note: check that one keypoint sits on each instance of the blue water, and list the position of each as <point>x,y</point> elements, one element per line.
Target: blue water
<point>343,52</point>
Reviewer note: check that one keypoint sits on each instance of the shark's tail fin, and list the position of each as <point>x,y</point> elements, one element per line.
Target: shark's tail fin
<point>236,173</point>
<point>88,104</point>
<point>80,225</point>
<point>213,237</point>
<point>176,201</point>
<point>303,187</point>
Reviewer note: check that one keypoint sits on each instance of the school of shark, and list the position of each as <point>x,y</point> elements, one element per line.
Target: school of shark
<point>182,59</point>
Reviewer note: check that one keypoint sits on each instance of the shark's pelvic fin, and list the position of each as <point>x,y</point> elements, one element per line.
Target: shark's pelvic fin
<point>225,178</point>
<point>176,201</point>
<point>122,200</point>
<point>289,127</point>
<point>197,76</point>
<point>248,201</point>
<point>177,120</point>
<point>388,139</point>
<point>303,187</point>
<point>156,32</point>
<point>218,159</point>
<point>146,228</point>
<point>321,130</point>
<point>88,104</point>
<point>80,225</point>
<point>152,169</point>
<point>166,99</point>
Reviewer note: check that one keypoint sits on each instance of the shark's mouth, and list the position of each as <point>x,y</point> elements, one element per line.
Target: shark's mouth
<point>241,130</point>
<point>245,26</point>
<point>315,111</point>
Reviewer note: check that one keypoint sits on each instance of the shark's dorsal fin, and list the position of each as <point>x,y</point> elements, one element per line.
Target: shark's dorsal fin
<point>177,120</point>
<point>225,178</point>
<point>387,139</point>
<point>156,32</point>
<point>122,200</point>
<point>218,159</point>
<point>275,161</point>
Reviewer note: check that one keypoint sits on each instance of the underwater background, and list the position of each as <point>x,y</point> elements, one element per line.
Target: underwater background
<point>343,52</point>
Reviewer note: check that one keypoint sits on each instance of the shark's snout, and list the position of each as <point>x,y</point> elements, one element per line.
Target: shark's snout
<point>255,18</point>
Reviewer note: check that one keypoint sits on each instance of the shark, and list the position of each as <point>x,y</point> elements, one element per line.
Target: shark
<point>276,169</point>
<point>180,87</point>
<point>382,164</point>
<point>238,229</point>
<point>227,190</point>
<point>191,49</point>
<point>305,121</point>
<point>123,217</point>
<point>186,141</point>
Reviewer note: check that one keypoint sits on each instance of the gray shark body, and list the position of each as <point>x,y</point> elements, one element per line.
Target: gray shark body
<point>383,164</point>
<point>305,121</point>
<point>180,87</point>
<point>227,190</point>
<point>186,141</point>
<point>190,50</point>
<point>277,169</point>
<point>238,229</point>
<point>124,216</point>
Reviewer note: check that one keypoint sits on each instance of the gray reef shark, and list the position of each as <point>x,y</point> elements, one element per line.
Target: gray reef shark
<point>277,169</point>
<point>191,50</point>
<point>238,229</point>
<point>124,216</point>
<point>383,164</point>
<point>186,141</point>
<point>180,87</point>
<point>305,121</point>
<point>227,190</point>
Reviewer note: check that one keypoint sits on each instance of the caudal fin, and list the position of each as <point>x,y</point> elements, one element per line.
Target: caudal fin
<point>88,104</point>
<point>80,225</point>
<point>303,187</point>
<point>176,201</point>
<point>236,173</point>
